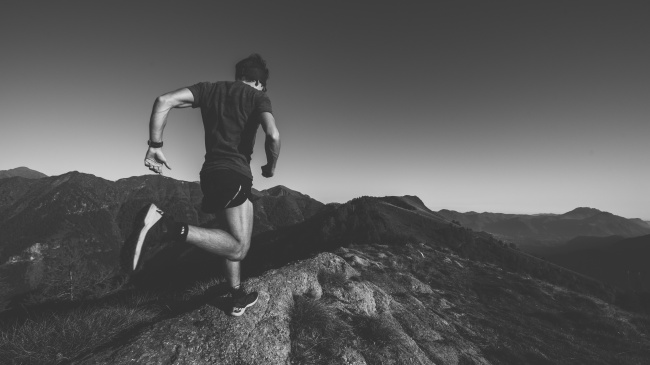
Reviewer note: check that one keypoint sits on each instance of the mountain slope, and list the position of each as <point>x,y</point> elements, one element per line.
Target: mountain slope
<point>280,206</point>
<point>585,243</point>
<point>622,262</point>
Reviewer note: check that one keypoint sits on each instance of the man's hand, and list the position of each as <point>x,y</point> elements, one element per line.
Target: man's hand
<point>267,171</point>
<point>155,159</point>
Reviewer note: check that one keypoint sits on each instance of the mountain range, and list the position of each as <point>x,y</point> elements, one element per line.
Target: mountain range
<point>541,233</point>
<point>397,282</point>
<point>96,216</point>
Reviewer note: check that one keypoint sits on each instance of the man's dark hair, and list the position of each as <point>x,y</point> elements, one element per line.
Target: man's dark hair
<point>252,68</point>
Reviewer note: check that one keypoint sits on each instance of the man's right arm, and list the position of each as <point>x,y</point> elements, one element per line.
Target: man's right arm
<point>271,144</point>
<point>182,98</point>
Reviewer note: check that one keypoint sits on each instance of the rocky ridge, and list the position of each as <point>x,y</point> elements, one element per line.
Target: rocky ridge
<point>262,336</point>
<point>410,304</point>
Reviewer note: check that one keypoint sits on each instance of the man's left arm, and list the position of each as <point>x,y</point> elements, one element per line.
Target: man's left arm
<point>271,144</point>
<point>181,98</point>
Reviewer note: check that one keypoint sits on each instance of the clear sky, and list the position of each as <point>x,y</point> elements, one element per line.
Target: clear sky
<point>470,105</point>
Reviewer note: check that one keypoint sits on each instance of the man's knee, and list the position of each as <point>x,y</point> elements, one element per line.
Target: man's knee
<point>241,252</point>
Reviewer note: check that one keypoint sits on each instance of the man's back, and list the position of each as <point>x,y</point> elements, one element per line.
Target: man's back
<point>230,112</point>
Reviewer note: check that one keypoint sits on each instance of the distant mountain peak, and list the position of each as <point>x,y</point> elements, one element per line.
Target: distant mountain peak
<point>22,171</point>
<point>582,213</point>
<point>282,190</point>
<point>409,202</point>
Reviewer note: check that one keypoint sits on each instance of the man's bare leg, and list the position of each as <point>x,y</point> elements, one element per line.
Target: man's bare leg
<point>233,245</point>
<point>240,224</point>
<point>233,272</point>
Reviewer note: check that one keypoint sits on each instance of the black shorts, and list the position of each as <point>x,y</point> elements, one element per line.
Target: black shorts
<point>224,189</point>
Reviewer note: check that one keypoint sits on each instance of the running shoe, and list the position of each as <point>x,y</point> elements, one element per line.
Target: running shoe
<point>242,300</point>
<point>154,228</point>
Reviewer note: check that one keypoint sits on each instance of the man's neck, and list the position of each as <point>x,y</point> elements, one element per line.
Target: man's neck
<point>254,84</point>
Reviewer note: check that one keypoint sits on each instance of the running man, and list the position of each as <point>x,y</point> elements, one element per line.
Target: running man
<point>231,111</point>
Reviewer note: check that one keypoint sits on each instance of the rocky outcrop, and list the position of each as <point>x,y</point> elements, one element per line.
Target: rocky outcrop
<point>207,335</point>
<point>402,304</point>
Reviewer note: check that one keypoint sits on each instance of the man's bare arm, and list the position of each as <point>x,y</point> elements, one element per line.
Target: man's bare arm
<point>271,144</point>
<point>181,98</point>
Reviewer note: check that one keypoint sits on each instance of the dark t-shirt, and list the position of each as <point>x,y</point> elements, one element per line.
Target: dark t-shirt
<point>231,115</point>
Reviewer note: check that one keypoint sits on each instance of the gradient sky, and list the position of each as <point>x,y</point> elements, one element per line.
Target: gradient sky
<point>470,105</point>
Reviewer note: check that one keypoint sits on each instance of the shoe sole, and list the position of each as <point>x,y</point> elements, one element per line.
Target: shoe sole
<point>152,217</point>
<point>244,310</point>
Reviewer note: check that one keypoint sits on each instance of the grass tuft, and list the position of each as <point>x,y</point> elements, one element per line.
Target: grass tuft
<point>375,330</point>
<point>51,338</point>
<point>330,279</point>
<point>379,339</point>
<point>318,335</point>
<point>203,287</point>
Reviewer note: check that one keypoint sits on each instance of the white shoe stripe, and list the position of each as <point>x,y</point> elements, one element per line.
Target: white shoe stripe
<point>149,220</point>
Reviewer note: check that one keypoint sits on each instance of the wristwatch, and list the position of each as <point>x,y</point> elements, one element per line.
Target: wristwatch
<point>155,144</point>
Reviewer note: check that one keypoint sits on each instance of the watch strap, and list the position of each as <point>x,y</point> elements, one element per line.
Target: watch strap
<point>155,144</point>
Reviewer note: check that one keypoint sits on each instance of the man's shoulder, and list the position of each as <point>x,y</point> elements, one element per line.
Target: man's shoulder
<point>214,84</point>
<point>222,84</point>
